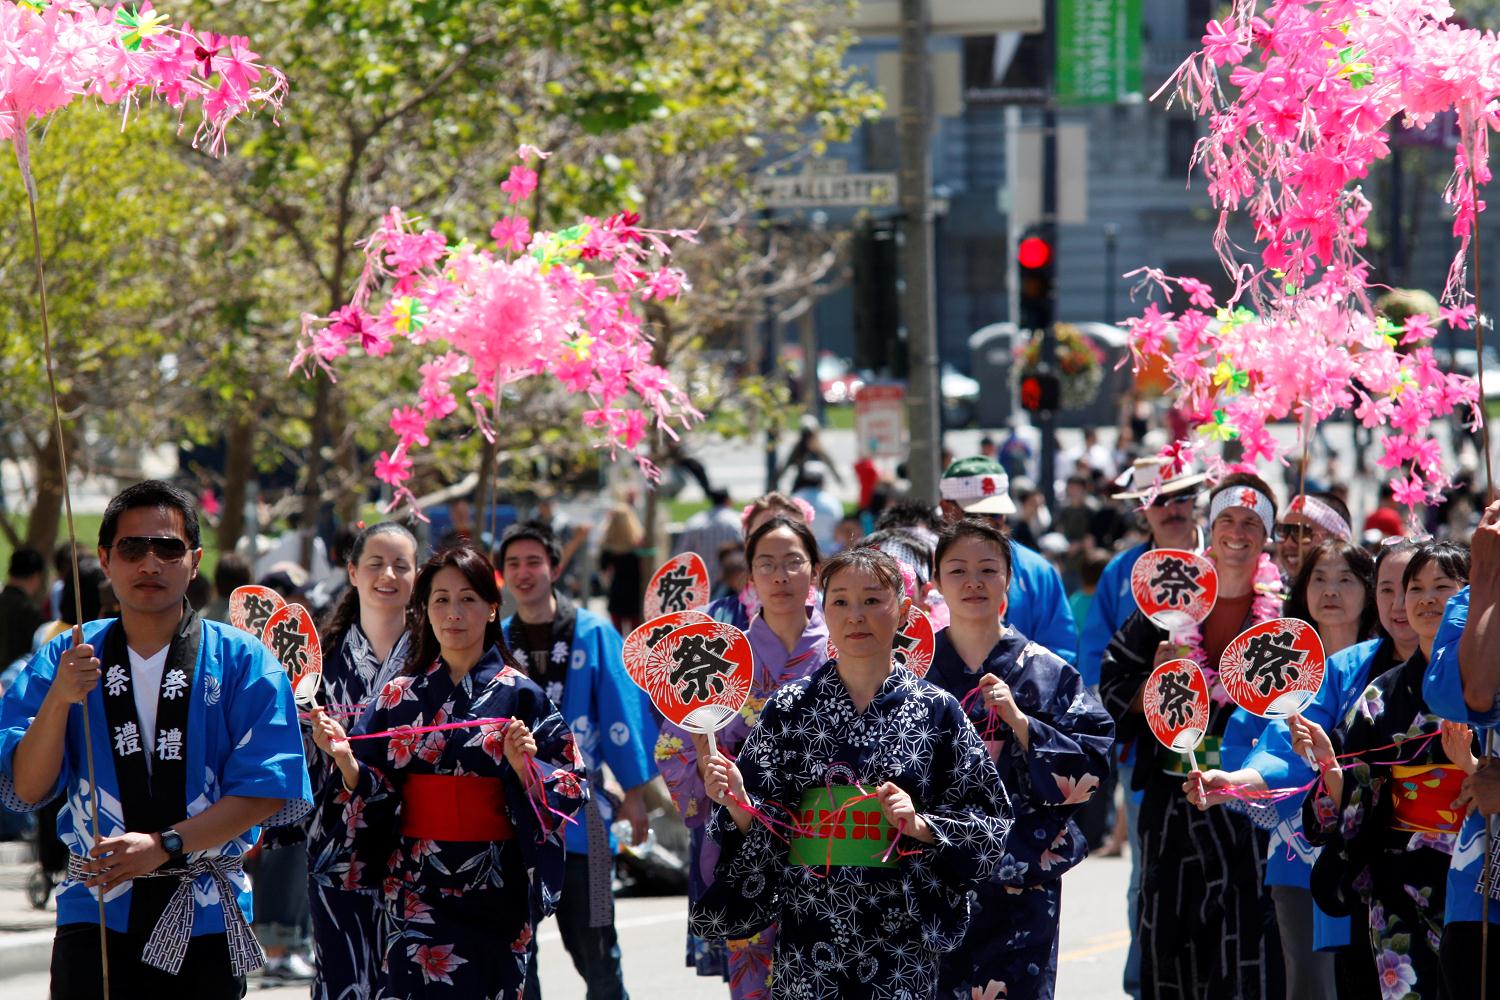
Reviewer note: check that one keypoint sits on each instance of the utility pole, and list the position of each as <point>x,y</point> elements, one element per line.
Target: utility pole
<point>918,312</point>
<point>1047,419</point>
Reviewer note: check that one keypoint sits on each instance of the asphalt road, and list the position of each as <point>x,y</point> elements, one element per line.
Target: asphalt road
<point>1091,955</point>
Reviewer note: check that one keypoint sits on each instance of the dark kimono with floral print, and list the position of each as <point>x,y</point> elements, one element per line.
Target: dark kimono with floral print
<point>1070,736</point>
<point>1401,875</point>
<point>461,913</point>
<point>847,931</point>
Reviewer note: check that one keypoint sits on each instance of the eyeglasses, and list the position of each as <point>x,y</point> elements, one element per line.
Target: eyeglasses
<point>1286,532</point>
<point>134,548</point>
<point>1168,499</point>
<point>791,566</point>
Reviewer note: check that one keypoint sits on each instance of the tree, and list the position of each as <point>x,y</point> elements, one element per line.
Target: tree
<point>664,105</point>
<point>114,209</point>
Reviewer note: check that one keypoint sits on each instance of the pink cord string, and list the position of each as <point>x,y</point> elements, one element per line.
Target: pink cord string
<point>419,730</point>
<point>535,781</point>
<point>1275,795</point>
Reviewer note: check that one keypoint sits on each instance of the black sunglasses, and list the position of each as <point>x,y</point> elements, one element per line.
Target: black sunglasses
<point>1293,532</point>
<point>1167,499</point>
<point>133,548</point>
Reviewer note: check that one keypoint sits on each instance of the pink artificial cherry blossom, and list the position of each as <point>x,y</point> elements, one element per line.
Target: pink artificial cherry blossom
<point>562,303</point>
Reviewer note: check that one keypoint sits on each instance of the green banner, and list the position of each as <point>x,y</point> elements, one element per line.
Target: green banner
<point>1098,51</point>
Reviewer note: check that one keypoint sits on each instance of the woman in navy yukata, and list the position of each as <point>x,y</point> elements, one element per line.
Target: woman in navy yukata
<point>459,828</point>
<point>890,808</point>
<point>789,640</point>
<point>368,642</point>
<point>1050,739</point>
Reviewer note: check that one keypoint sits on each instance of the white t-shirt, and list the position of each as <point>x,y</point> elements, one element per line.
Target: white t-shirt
<point>145,682</point>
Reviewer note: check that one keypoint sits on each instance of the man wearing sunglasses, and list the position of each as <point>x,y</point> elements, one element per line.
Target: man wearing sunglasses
<point>1171,518</point>
<point>195,741</point>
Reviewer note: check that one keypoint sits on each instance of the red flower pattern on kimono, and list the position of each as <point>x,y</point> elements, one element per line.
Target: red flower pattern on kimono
<point>436,962</point>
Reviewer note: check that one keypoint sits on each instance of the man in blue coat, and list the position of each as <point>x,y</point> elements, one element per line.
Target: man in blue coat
<point>1171,523</point>
<point>576,657</point>
<point>1037,604</point>
<point>195,744</point>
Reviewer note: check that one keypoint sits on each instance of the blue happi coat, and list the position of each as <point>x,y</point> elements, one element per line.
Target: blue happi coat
<point>609,715</point>
<point>243,739</point>
<point>1443,690</point>
<point>1070,736</point>
<point>1037,604</point>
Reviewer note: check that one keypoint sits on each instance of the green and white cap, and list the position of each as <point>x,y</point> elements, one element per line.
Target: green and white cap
<point>979,485</point>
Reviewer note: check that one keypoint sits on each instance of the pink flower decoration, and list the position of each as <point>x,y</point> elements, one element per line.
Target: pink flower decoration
<point>393,469</point>
<point>568,307</point>
<point>520,184</point>
<point>410,426</point>
<point>1222,44</point>
<point>511,233</point>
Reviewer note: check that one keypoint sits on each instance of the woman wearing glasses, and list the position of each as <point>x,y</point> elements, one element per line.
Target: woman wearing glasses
<point>1384,806</point>
<point>790,641</point>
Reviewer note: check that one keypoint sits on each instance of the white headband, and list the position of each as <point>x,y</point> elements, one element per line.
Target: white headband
<point>1247,497</point>
<point>1322,515</point>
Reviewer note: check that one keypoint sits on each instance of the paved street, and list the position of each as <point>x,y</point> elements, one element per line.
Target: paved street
<point>651,931</point>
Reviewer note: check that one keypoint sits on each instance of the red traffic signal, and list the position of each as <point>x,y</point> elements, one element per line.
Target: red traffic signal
<point>1041,392</point>
<point>1034,252</point>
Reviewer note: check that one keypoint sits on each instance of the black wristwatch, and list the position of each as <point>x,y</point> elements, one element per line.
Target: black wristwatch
<point>171,842</point>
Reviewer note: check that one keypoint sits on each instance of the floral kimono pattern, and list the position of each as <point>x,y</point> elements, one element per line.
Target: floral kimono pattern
<point>462,913</point>
<point>745,964</point>
<point>1070,736</point>
<point>851,931</point>
<point>1401,875</point>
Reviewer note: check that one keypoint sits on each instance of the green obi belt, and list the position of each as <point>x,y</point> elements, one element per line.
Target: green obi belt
<point>856,837</point>
<point>1209,753</point>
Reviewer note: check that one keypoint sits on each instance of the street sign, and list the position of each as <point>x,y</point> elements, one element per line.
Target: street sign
<point>1098,51</point>
<point>825,190</point>
<point>880,420</point>
<point>952,17</point>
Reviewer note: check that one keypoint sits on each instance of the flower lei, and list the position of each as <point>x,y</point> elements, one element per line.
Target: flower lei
<point>1266,606</point>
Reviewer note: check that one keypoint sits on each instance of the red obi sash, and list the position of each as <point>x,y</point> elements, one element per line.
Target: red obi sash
<point>454,807</point>
<point>1422,798</point>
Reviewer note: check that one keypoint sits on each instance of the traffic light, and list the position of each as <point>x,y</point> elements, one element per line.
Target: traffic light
<point>1041,392</point>
<point>878,343</point>
<point>1036,261</point>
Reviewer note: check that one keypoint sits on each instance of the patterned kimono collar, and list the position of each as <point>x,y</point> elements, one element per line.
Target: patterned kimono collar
<point>490,666</point>
<point>827,677</point>
<point>771,656</point>
<point>359,656</point>
<point>1266,605</point>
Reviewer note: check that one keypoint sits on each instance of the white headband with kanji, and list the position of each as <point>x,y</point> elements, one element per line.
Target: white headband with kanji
<point>1247,497</point>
